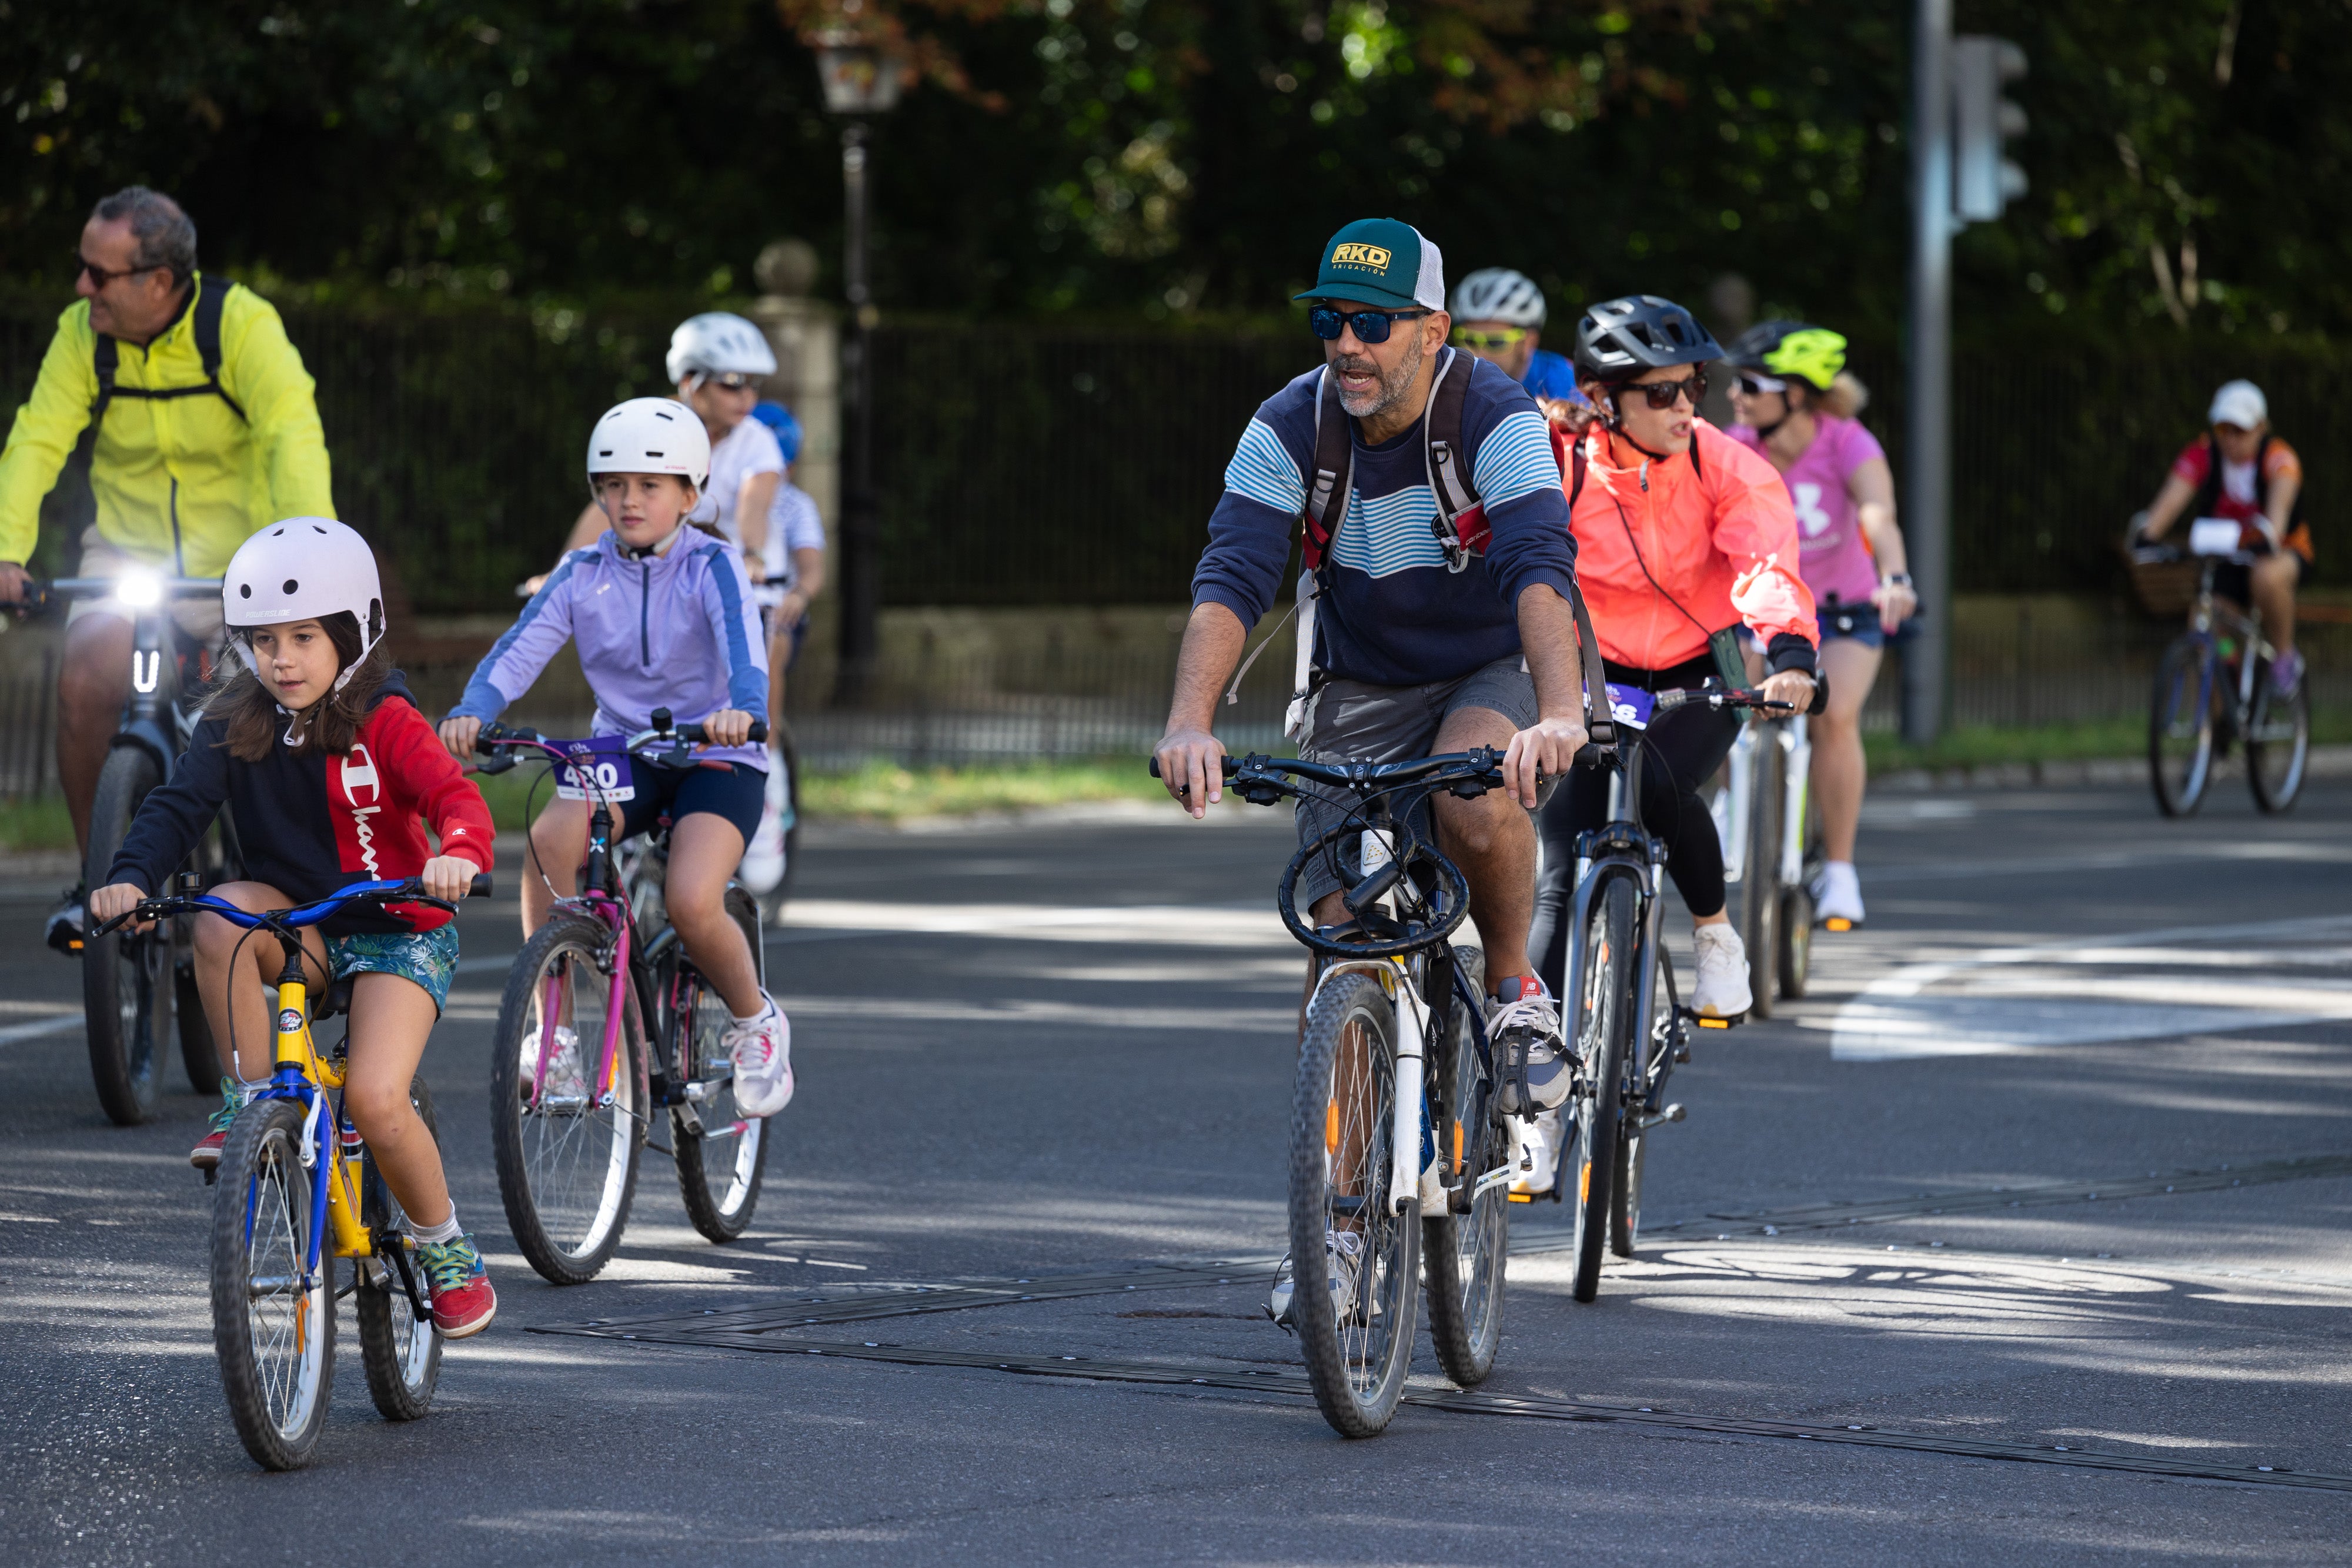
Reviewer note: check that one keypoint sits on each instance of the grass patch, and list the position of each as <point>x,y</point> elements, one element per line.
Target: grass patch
<point>31,825</point>
<point>880,791</point>
<point>2090,740</point>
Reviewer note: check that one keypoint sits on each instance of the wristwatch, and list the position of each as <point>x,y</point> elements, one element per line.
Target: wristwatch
<point>1899,579</point>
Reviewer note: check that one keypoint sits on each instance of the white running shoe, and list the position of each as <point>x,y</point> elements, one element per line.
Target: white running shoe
<point>1537,1141</point>
<point>1837,894</point>
<point>1341,1249</point>
<point>763,857</point>
<point>566,1081</point>
<point>1528,1014</point>
<point>762,1049</point>
<point>1721,989</point>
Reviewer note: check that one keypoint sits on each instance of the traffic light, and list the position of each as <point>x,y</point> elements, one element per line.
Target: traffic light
<point>1983,181</point>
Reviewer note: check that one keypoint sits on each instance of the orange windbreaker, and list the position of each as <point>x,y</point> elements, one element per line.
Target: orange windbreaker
<point>1717,534</point>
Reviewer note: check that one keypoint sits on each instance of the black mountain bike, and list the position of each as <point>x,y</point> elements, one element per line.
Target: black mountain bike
<point>1627,1024</point>
<point>2213,688</point>
<point>1394,1116</point>
<point>134,985</point>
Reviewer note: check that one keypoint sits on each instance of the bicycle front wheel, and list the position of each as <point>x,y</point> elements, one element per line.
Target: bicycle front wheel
<point>1760,893</point>
<point>722,1154</point>
<point>1465,1253</point>
<point>1600,1047</point>
<point>2180,726</point>
<point>1358,1337</point>
<point>400,1349</point>
<point>566,1137</point>
<point>129,982</point>
<point>273,1329</point>
<point>2278,742</point>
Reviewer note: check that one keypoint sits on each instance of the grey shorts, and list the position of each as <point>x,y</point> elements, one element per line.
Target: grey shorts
<point>1349,721</point>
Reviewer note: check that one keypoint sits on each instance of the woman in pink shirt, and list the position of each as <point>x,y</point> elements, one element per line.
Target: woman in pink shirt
<point>1796,407</point>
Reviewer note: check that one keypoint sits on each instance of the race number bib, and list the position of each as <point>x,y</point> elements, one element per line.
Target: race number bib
<point>598,770</point>
<point>1631,706</point>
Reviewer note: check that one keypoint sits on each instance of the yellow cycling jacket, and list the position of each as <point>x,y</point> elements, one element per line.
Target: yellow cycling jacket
<point>182,481</point>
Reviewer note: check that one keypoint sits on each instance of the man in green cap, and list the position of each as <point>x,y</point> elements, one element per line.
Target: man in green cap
<point>1435,612</point>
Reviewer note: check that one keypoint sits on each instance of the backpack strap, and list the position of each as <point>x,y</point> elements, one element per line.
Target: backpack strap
<point>1599,722</point>
<point>1326,495</point>
<point>1577,463</point>
<point>1460,521</point>
<point>2209,491</point>
<point>206,324</point>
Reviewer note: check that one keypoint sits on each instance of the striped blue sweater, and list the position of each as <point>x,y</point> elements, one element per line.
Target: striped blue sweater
<point>1390,613</point>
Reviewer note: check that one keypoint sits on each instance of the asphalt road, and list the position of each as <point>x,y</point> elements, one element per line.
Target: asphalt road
<point>1878,1316</point>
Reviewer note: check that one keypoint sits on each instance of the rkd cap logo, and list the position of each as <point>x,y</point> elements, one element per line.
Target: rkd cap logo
<point>1355,253</point>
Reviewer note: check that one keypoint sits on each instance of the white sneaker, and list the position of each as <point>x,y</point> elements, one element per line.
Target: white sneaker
<point>1837,894</point>
<point>1536,1142</point>
<point>1530,1015</point>
<point>1721,989</point>
<point>1341,1249</point>
<point>763,857</point>
<point>762,1049</point>
<point>566,1081</point>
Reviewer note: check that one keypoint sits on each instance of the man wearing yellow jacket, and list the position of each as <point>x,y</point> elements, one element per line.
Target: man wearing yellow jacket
<point>206,433</point>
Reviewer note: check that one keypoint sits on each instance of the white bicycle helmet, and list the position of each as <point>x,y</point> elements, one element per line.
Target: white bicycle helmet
<point>650,435</point>
<point>304,569</point>
<point>1498,294</point>
<point>717,343</point>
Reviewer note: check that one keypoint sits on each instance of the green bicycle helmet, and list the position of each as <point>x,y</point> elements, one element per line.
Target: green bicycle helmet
<point>1813,355</point>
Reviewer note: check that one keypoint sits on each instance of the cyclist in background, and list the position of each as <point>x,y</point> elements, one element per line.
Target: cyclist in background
<point>662,615</point>
<point>205,431</point>
<point>794,576</point>
<point>716,360</point>
<point>313,742</point>
<point>1796,404</point>
<point>1498,315</point>
<point>2239,470</point>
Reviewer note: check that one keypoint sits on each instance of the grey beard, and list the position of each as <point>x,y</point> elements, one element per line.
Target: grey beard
<point>1393,386</point>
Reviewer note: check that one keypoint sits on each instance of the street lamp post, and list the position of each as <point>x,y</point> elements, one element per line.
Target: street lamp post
<point>860,80</point>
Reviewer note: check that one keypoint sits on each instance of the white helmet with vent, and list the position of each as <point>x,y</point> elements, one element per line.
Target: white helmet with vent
<point>718,343</point>
<point>1498,294</point>
<point>650,435</point>
<point>304,569</point>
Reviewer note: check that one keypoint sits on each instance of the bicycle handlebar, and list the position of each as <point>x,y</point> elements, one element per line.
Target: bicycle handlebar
<point>494,738</point>
<point>39,595</point>
<point>1484,764</point>
<point>406,890</point>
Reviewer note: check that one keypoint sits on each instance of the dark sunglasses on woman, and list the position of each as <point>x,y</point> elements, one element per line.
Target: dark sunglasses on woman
<point>1370,326</point>
<point>1662,395</point>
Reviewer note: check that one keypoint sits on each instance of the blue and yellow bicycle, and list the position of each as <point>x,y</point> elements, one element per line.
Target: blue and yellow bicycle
<point>297,1191</point>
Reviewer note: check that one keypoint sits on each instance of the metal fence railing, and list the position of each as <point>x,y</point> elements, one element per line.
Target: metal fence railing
<point>1040,464</point>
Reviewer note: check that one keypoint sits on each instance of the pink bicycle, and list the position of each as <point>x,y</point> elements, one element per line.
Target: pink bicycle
<point>605,1024</point>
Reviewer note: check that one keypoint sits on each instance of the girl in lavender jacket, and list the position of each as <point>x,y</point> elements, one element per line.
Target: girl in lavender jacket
<point>664,618</point>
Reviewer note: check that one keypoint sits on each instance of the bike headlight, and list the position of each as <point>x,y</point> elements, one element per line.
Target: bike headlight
<point>140,590</point>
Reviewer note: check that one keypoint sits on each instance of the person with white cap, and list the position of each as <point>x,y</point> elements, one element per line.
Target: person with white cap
<point>2239,470</point>
<point>312,741</point>
<point>1500,314</point>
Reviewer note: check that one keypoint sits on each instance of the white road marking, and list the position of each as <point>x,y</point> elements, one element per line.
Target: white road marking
<point>57,1025</point>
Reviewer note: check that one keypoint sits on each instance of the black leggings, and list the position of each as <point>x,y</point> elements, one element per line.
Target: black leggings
<point>1684,748</point>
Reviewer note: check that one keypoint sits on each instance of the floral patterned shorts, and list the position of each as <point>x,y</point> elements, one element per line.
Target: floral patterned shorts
<point>427,957</point>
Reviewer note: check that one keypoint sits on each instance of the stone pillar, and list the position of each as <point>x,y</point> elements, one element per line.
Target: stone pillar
<point>806,335</point>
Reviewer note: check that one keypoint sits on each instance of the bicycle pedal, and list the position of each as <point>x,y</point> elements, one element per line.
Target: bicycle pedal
<point>1838,923</point>
<point>212,1175</point>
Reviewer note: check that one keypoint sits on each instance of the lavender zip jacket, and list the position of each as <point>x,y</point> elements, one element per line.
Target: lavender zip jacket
<point>677,630</point>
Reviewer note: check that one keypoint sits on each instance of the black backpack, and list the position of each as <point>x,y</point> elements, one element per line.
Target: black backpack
<point>70,504</point>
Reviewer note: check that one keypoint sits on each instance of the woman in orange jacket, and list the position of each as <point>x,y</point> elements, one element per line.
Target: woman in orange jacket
<point>1682,536</point>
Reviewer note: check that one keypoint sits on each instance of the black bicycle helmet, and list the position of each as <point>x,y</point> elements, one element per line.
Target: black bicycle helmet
<point>1813,355</point>
<point>1619,339</point>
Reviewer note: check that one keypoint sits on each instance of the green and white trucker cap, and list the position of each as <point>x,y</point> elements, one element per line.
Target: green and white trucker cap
<point>1380,261</point>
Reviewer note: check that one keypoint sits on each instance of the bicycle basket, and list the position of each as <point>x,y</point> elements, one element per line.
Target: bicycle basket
<point>2165,587</point>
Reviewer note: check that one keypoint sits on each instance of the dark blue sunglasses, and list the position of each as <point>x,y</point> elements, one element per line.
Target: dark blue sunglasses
<point>1370,326</point>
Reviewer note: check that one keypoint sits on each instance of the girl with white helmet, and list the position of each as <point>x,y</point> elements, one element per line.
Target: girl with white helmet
<point>315,745</point>
<point>663,616</point>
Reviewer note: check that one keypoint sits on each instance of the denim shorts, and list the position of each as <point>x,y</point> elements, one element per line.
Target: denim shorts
<point>427,957</point>
<point>1855,622</point>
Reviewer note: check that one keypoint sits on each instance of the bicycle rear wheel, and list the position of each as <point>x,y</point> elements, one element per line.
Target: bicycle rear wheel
<point>2180,726</point>
<point>274,1335</point>
<point>2278,742</point>
<point>722,1154</point>
<point>401,1350</point>
<point>1341,1120</point>
<point>567,1156</point>
<point>129,984</point>
<point>1600,1046</point>
<point>1761,886</point>
<point>1465,1253</point>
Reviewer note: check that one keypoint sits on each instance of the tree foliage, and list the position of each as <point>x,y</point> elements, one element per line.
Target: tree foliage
<point>1172,159</point>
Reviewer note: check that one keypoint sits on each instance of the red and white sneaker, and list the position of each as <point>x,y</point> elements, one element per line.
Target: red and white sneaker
<point>463,1302</point>
<point>206,1155</point>
<point>762,1049</point>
